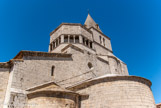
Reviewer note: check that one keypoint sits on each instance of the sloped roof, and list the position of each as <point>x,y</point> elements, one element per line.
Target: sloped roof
<point>72,46</point>
<point>50,87</point>
<point>21,54</point>
<point>91,23</point>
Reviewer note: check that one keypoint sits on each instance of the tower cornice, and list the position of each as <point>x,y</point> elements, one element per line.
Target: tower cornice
<point>71,24</point>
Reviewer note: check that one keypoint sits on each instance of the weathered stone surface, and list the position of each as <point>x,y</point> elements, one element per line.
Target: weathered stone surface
<point>116,92</point>
<point>4,75</point>
<point>79,71</point>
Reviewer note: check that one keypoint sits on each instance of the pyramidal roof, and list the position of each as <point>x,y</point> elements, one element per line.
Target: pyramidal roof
<point>91,23</point>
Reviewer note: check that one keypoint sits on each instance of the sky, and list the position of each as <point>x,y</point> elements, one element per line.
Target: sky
<point>134,27</point>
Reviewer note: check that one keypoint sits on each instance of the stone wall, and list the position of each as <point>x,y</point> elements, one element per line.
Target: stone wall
<point>117,92</point>
<point>37,70</point>
<point>68,70</point>
<point>52,100</point>
<point>4,75</point>
<point>100,50</point>
<point>96,37</point>
<point>117,66</point>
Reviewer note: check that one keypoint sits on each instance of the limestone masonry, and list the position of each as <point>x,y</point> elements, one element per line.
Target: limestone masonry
<point>79,71</point>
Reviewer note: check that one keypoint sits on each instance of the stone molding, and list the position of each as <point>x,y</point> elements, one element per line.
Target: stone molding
<point>71,24</point>
<point>21,54</point>
<point>109,79</point>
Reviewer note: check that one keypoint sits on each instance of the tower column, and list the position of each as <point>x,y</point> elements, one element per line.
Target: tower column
<point>74,38</point>
<point>62,39</point>
<point>68,38</point>
<point>80,39</point>
<point>55,44</point>
<point>58,41</point>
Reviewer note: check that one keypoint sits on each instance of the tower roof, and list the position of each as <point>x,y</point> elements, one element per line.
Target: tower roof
<point>91,23</point>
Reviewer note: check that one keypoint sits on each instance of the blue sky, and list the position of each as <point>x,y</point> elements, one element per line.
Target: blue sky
<point>134,27</point>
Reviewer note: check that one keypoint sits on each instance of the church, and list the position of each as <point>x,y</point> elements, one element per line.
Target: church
<point>78,71</point>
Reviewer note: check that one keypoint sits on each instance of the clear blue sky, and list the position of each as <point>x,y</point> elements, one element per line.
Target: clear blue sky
<point>134,27</point>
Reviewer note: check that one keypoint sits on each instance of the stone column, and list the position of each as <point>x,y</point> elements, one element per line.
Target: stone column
<point>62,39</point>
<point>80,39</point>
<point>55,44</point>
<point>58,41</point>
<point>92,45</point>
<point>74,38</point>
<point>68,38</point>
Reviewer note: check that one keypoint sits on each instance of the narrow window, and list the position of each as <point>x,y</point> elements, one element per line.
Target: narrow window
<point>90,44</point>
<point>71,39</point>
<point>53,45</point>
<point>66,39</point>
<point>83,40</point>
<point>76,39</point>
<point>90,66</point>
<point>52,70</point>
<point>87,42</point>
<point>56,43</point>
<point>59,40</point>
<point>100,40</point>
<point>104,41</point>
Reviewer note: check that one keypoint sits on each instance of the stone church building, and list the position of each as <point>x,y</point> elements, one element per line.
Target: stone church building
<point>78,71</point>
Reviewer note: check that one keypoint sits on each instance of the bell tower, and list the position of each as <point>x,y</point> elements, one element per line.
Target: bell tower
<point>86,37</point>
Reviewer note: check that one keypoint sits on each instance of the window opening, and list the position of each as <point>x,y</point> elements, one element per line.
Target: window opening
<point>59,40</point>
<point>65,39</point>
<point>71,39</point>
<point>90,44</point>
<point>100,40</point>
<point>87,42</point>
<point>83,40</point>
<point>56,42</point>
<point>52,70</point>
<point>90,66</point>
<point>51,47</point>
<point>76,39</point>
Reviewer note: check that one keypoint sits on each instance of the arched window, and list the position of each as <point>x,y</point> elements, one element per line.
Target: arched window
<point>90,66</point>
<point>103,41</point>
<point>100,40</point>
<point>52,70</point>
